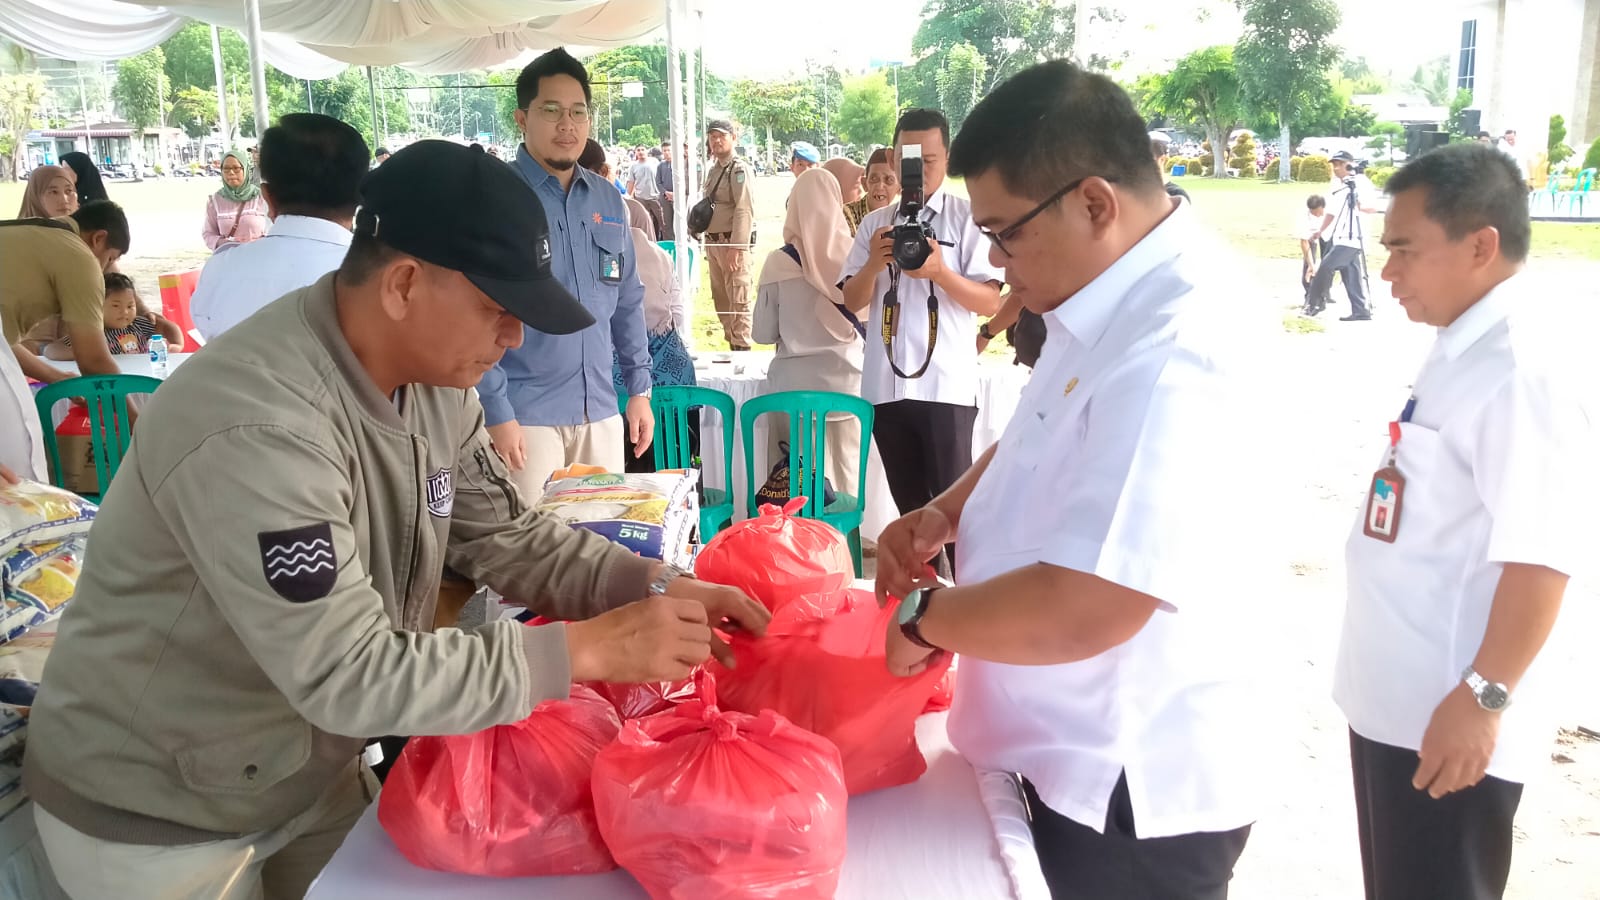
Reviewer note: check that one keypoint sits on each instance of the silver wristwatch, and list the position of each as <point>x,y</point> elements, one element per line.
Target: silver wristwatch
<point>668,574</point>
<point>1491,695</point>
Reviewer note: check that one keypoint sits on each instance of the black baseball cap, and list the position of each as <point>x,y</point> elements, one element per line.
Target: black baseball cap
<point>1342,156</point>
<point>722,125</point>
<point>464,210</point>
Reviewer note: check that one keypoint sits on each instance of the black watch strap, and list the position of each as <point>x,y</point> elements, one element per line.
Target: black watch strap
<point>984,332</point>
<point>912,627</point>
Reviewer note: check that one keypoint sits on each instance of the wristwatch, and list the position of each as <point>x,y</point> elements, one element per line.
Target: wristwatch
<point>1491,695</point>
<point>666,576</point>
<point>912,609</point>
<point>984,332</point>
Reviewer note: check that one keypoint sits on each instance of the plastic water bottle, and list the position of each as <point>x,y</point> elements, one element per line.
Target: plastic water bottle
<point>158,356</point>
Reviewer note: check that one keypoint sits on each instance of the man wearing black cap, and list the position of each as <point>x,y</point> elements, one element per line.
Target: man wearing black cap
<point>267,562</point>
<point>1349,195</point>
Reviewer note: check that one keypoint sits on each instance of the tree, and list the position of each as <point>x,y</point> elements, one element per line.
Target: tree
<point>1011,35</point>
<point>638,136</point>
<point>20,99</point>
<point>140,94</point>
<point>1384,136</point>
<point>786,107</point>
<point>867,114</point>
<point>1557,149</point>
<point>1283,58</point>
<point>194,109</point>
<point>1432,80</point>
<point>1203,89</point>
<point>610,69</point>
<point>1457,123</point>
<point>961,82</point>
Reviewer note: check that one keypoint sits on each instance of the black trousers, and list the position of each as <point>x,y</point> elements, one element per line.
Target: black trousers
<point>1339,259</point>
<point>1414,847</point>
<point>925,447</point>
<point>1080,863</point>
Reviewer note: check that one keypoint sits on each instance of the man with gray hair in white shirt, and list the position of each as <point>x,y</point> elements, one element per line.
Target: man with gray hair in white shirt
<point>312,166</point>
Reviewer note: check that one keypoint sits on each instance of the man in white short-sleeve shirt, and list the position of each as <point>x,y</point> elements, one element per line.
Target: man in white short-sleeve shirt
<point>925,412</point>
<point>1098,609</point>
<point>1482,507</point>
<point>313,166</point>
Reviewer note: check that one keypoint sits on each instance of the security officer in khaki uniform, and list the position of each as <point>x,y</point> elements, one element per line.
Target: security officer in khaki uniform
<point>266,564</point>
<point>731,233</point>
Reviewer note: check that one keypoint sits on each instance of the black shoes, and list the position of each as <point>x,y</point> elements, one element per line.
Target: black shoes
<point>1355,318</point>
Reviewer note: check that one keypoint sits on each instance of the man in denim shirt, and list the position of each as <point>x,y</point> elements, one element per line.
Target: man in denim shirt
<point>551,402</point>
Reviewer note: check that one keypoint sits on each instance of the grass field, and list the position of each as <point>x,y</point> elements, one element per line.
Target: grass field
<point>1254,216</point>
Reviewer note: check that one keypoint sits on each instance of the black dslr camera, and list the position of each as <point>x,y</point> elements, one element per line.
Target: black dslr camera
<point>913,238</point>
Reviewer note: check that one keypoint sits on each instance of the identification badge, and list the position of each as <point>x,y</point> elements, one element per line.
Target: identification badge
<point>610,268</point>
<point>1385,500</point>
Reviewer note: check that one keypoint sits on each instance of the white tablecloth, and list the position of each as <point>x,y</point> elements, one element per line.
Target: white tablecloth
<point>932,840</point>
<point>129,363</point>
<point>744,375</point>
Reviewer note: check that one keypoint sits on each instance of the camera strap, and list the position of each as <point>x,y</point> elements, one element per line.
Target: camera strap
<point>891,325</point>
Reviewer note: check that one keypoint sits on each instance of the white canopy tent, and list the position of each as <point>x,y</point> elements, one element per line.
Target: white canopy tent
<point>317,39</point>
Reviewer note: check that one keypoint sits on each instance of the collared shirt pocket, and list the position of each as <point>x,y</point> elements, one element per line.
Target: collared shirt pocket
<point>609,244</point>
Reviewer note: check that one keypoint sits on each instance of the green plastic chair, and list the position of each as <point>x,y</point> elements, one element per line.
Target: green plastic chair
<point>110,428</point>
<point>672,405</point>
<point>694,257</point>
<point>808,439</point>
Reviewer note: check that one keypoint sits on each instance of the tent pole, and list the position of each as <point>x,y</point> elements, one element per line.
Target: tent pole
<point>258,65</point>
<point>680,182</point>
<point>686,49</point>
<point>372,95</point>
<point>222,91</point>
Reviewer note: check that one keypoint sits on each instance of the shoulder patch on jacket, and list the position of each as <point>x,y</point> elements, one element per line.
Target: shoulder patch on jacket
<point>441,493</point>
<point>299,562</point>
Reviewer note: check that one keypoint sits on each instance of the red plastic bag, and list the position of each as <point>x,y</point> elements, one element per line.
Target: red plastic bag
<point>778,556</point>
<point>636,701</point>
<point>944,693</point>
<point>509,801</point>
<point>821,666</point>
<point>702,804</point>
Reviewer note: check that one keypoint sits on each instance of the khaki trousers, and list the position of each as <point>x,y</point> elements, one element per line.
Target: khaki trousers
<point>552,447</point>
<point>273,865</point>
<point>730,291</point>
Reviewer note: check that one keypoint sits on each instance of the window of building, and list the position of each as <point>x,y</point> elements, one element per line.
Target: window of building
<point>1468,66</point>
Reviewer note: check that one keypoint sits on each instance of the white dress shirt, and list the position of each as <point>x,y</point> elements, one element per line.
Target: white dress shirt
<point>1499,467</point>
<point>21,435</point>
<point>1129,458</point>
<point>952,376</point>
<point>1342,232</point>
<point>240,280</point>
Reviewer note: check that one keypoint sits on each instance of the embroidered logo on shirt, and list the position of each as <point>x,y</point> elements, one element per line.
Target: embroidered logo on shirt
<point>441,493</point>
<point>606,220</point>
<point>299,563</point>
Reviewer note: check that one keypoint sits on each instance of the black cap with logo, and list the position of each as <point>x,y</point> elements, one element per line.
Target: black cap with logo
<point>463,210</point>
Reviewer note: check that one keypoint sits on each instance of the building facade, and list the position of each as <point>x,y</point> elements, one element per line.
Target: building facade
<point>1526,60</point>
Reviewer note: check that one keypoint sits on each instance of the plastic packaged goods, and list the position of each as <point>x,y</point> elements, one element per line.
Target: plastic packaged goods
<point>777,556</point>
<point>655,515</point>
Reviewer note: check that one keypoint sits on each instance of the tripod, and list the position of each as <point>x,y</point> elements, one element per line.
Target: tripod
<point>1349,257</point>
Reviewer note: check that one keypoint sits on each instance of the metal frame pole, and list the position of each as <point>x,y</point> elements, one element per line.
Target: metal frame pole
<point>222,92</point>
<point>680,183</point>
<point>258,65</point>
<point>372,96</point>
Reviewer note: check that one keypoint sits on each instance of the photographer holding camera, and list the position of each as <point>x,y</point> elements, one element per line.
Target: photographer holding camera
<point>923,269</point>
<point>1348,197</point>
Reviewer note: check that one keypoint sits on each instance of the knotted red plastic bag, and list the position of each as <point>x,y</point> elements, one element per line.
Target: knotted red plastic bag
<point>778,556</point>
<point>509,801</point>
<point>703,804</point>
<point>821,666</point>
<point>636,701</point>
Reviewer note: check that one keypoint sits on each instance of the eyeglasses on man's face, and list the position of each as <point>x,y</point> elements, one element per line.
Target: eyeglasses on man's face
<point>553,112</point>
<point>1009,233</point>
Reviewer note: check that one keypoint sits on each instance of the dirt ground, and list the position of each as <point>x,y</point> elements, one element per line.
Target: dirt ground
<point>1328,398</point>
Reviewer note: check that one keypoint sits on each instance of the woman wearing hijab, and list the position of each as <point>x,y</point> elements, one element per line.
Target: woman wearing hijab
<point>90,185</point>
<point>800,308</point>
<point>236,214</point>
<point>50,194</point>
<point>849,175</point>
<point>664,315</point>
